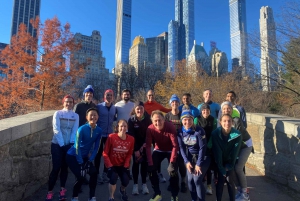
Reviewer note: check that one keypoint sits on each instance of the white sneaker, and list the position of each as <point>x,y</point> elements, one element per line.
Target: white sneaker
<point>93,199</point>
<point>145,189</point>
<point>209,190</point>
<point>243,197</point>
<point>135,189</point>
<point>161,178</point>
<point>105,178</point>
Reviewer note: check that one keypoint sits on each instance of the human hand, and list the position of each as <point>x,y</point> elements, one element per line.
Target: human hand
<point>198,170</point>
<point>189,167</point>
<point>82,170</point>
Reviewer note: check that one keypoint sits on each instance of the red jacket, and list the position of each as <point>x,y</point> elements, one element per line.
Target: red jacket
<point>117,152</point>
<point>165,141</point>
<point>151,106</point>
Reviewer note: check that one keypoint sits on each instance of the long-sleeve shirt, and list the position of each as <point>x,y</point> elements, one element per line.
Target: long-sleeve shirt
<point>193,109</point>
<point>86,137</point>
<point>106,118</point>
<point>193,140</point>
<point>65,125</point>
<point>124,109</point>
<point>153,105</point>
<point>117,152</point>
<point>80,109</point>
<point>174,119</point>
<point>165,141</point>
<point>226,150</point>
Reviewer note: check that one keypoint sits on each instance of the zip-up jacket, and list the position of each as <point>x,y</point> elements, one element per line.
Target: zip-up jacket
<point>194,141</point>
<point>242,114</point>
<point>106,118</point>
<point>86,137</point>
<point>65,125</point>
<point>165,141</point>
<point>153,105</point>
<point>226,152</point>
<point>80,109</point>
<point>193,109</point>
<point>246,138</point>
<point>208,124</point>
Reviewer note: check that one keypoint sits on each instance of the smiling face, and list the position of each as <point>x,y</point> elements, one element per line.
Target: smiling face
<point>205,113</point>
<point>139,111</point>
<point>68,103</point>
<point>88,96</point>
<point>230,97</point>
<point>126,96</point>
<point>122,127</point>
<point>226,109</point>
<point>187,122</point>
<point>186,100</point>
<point>109,97</point>
<point>226,122</point>
<point>207,95</point>
<point>150,96</point>
<point>158,121</point>
<point>174,104</point>
<point>92,117</point>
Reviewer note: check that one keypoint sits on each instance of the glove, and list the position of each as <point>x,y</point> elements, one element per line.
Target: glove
<point>127,171</point>
<point>82,170</point>
<point>172,169</point>
<point>66,148</point>
<point>87,166</point>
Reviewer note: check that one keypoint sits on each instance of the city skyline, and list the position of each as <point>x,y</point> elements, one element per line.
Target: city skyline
<point>150,19</point>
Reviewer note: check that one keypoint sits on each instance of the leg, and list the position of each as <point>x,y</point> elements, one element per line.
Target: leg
<point>240,179</point>
<point>220,186</point>
<point>144,166</point>
<point>113,177</point>
<point>192,186</point>
<point>182,171</point>
<point>63,170</point>
<point>198,179</point>
<point>174,180</point>
<point>99,154</point>
<point>124,177</point>
<point>93,180</point>
<point>135,171</point>
<point>157,158</point>
<point>75,168</point>
<point>230,185</point>
<point>57,158</point>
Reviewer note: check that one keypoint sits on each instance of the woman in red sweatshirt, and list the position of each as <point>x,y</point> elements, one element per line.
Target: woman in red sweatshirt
<point>117,153</point>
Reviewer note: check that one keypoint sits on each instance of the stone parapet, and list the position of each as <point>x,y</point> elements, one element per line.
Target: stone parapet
<point>276,142</point>
<point>24,154</point>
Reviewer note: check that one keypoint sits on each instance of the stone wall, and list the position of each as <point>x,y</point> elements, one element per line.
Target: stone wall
<point>24,154</point>
<point>276,142</point>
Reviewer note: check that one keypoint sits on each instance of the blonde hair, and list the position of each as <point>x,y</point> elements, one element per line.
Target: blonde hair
<point>117,126</point>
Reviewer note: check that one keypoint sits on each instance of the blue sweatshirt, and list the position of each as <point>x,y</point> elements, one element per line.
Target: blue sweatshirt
<point>194,110</point>
<point>194,140</point>
<point>106,118</point>
<point>86,137</point>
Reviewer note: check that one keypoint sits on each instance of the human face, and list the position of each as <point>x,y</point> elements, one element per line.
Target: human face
<point>139,111</point>
<point>226,109</point>
<point>230,97</point>
<point>92,117</point>
<point>207,95</point>
<point>226,123</point>
<point>150,96</point>
<point>158,121</point>
<point>187,122</point>
<point>109,97</point>
<point>122,127</point>
<point>68,104</point>
<point>205,113</point>
<point>186,100</point>
<point>174,104</point>
<point>126,96</point>
<point>88,96</point>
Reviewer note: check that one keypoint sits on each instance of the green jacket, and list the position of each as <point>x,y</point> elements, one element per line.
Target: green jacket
<point>226,152</point>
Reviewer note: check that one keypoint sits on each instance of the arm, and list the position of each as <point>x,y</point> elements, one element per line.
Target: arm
<point>182,148</point>
<point>77,145</point>
<point>56,129</point>
<point>129,154</point>
<point>97,144</point>
<point>148,146</point>
<point>163,109</point>
<point>106,153</point>
<point>202,148</point>
<point>75,128</point>
<point>217,152</point>
<point>173,136</point>
<point>195,111</point>
<point>234,153</point>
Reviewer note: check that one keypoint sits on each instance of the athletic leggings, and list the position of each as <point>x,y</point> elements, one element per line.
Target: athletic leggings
<point>230,185</point>
<point>75,168</point>
<point>196,186</point>
<point>181,168</point>
<point>136,170</point>
<point>99,154</point>
<point>118,171</point>
<point>212,167</point>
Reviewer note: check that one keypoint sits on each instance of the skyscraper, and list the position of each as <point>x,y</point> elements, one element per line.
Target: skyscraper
<point>268,61</point>
<point>138,54</point>
<point>23,12</point>
<point>123,32</point>
<point>181,32</point>
<point>238,36</point>
<point>2,47</point>
<point>158,49</point>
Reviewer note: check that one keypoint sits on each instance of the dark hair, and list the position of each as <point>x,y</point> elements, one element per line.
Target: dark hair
<point>223,115</point>
<point>117,126</point>
<point>90,109</point>
<point>232,92</point>
<point>207,89</point>
<point>126,90</point>
<point>187,94</point>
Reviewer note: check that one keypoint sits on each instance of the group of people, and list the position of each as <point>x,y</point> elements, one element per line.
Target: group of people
<point>135,137</point>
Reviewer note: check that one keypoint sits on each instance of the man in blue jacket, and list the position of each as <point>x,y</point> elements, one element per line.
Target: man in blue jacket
<point>187,104</point>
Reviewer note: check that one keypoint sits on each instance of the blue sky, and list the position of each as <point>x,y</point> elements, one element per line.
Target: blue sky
<point>149,19</point>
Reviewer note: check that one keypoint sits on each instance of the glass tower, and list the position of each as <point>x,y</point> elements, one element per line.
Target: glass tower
<point>123,31</point>
<point>181,32</point>
<point>23,12</point>
<point>238,35</point>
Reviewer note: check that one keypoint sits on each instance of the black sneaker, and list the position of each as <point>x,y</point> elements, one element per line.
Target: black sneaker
<point>183,188</point>
<point>124,196</point>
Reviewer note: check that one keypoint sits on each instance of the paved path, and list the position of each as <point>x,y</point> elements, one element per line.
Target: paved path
<point>261,189</point>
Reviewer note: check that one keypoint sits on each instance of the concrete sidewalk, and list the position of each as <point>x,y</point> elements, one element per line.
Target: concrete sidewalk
<point>261,189</point>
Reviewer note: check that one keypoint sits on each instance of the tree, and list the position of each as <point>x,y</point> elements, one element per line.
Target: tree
<point>38,75</point>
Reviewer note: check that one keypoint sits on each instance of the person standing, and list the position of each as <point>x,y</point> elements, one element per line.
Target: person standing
<point>174,117</point>
<point>166,146</point>
<point>107,113</point>
<point>231,97</point>
<point>117,153</point>
<point>83,106</point>
<point>214,107</point>
<point>192,144</point>
<point>137,127</point>
<point>226,143</point>
<point>150,105</point>
<point>79,159</point>
<point>187,104</point>
<point>125,106</point>
<point>65,125</point>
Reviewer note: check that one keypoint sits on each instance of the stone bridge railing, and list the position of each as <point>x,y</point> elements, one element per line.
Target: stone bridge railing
<point>25,159</point>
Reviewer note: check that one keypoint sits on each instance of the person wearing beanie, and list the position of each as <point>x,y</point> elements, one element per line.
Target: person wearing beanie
<point>137,127</point>
<point>208,123</point>
<point>65,125</point>
<point>85,104</point>
<point>107,113</point>
<point>246,148</point>
<point>187,104</point>
<point>125,106</point>
<point>150,105</point>
<point>174,117</point>
<point>192,145</point>
<point>231,97</point>
<point>214,107</point>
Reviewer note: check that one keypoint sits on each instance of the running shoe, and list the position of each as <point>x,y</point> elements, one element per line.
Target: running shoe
<point>135,189</point>
<point>105,178</point>
<point>111,199</point>
<point>74,199</point>
<point>174,198</point>
<point>161,178</point>
<point>209,190</point>
<point>62,194</point>
<point>124,196</point>
<point>93,199</point>
<point>183,188</point>
<point>156,197</point>
<point>49,196</point>
<point>100,180</point>
<point>145,189</point>
<point>243,197</point>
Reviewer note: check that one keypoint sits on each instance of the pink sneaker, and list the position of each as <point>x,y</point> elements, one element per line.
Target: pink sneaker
<point>62,194</point>
<point>49,196</point>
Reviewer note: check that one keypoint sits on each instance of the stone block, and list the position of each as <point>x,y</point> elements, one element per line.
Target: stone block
<point>46,135</point>
<point>282,143</point>
<point>20,131</point>
<point>38,125</point>
<point>5,136</point>
<point>18,147</point>
<point>38,149</point>
<point>254,132</point>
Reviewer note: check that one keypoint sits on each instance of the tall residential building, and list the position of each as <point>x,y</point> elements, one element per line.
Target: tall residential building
<point>181,32</point>
<point>198,58</point>
<point>218,60</point>
<point>268,62</point>
<point>138,54</point>
<point>2,46</point>
<point>158,49</point>
<point>123,32</point>
<point>238,36</point>
<point>23,12</point>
